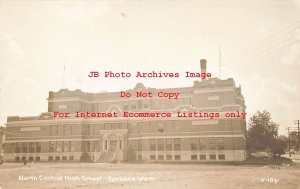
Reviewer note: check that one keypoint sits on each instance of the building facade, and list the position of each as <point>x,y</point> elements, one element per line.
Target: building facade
<point>108,139</point>
<point>2,139</point>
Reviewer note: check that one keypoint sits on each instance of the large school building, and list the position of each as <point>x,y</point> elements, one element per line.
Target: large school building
<point>50,137</point>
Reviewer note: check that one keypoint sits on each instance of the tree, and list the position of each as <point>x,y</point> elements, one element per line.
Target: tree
<point>278,145</point>
<point>262,132</point>
<point>294,140</point>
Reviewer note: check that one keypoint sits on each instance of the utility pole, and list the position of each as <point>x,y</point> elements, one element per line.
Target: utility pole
<point>289,141</point>
<point>298,122</point>
<point>289,137</point>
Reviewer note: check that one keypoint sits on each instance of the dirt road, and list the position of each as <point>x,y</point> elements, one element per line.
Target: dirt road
<point>144,176</point>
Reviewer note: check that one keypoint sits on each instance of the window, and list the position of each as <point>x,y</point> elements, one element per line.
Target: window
<point>72,144</point>
<point>120,144</point>
<point>160,157</point>
<point>177,157</point>
<point>193,157</point>
<point>38,147</point>
<point>152,145</point>
<point>30,159</point>
<point>17,158</point>
<point>57,158</point>
<point>177,144</point>
<point>169,144</point>
<point>221,157</point>
<point>71,158</point>
<point>160,127</point>
<point>86,129</point>
<point>64,158</point>
<point>37,159</point>
<point>24,147</point>
<point>169,157</point>
<point>107,126</point>
<point>212,143</point>
<point>60,130</point>
<point>53,130</point>
<point>31,147</point>
<point>59,146</point>
<point>202,157</point>
<point>140,145</point>
<point>140,104</point>
<point>221,143</point>
<point>66,146</point>
<point>18,147</point>
<point>105,145</point>
<point>221,147</point>
<point>92,129</point>
<point>160,145</point>
<point>52,146</point>
<point>96,146</point>
<point>50,158</point>
<point>68,129</point>
<point>212,157</point>
<point>152,157</point>
<point>86,146</point>
<point>202,143</point>
<point>194,142</point>
<point>140,157</point>
<point>114,125</point>
<point>133,107</point>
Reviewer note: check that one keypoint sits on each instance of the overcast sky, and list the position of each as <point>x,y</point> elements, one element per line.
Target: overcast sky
<point>259,42</point>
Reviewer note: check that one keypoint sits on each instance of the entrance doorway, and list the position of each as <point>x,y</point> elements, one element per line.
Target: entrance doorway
<point>113,145</point>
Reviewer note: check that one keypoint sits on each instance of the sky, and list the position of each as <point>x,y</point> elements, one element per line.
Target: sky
<point>259,44</point>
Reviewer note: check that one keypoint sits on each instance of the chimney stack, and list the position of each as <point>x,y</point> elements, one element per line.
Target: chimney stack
<point>203,66</point>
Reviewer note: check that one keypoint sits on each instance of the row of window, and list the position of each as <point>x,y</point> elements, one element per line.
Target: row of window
<point>161,144</point>
<point>178,157</point>
<point>61,146</point>
<point>134,127</point>
<point>143,104</point>
<point>152,157</point>
<point>25,147</point>
<point>211,157</point>
<point>175,144</point>
<point>50,158</point>
<point>54,146</point>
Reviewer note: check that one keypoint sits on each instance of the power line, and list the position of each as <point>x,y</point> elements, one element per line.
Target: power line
<point>273,46</point>
<point>275,36</point>
<point>263,54</point>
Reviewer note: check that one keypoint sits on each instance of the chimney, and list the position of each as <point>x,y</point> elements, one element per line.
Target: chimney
<point>203,67</point>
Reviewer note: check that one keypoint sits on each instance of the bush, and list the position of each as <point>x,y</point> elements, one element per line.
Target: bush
<point>265,160</point>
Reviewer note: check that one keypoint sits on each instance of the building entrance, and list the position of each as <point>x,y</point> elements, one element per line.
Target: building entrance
<point>113,145</point>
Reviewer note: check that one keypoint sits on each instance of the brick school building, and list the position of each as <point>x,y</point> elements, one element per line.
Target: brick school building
<point>117,138</point>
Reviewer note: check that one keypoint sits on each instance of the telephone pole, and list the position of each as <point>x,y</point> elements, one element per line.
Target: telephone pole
<point>298,123</point>
<point>289,141</point>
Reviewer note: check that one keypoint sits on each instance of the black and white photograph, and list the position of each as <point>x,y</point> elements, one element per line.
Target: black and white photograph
<point>141,94</point>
